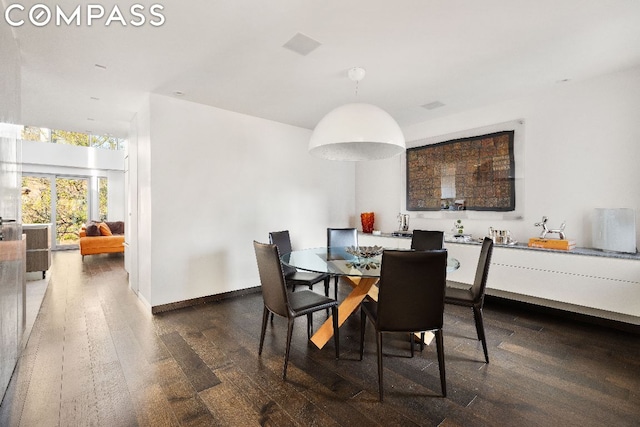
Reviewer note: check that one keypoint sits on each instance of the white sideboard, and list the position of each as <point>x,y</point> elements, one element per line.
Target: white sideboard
<point>602,286</point>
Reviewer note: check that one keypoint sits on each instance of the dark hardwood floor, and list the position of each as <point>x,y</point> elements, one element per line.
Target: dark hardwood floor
<point>97,357</point>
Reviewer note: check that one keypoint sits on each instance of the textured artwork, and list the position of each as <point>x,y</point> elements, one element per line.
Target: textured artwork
<point>473,173</point>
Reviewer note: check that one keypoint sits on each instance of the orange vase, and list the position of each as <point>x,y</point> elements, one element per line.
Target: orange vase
<point>367,219</point>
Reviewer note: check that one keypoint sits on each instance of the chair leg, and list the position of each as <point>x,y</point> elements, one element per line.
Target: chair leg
<point>363,324</point>
<point>286,354</point>
<point>336,330</point>
<point>335,288</point>
<point>477,314</point>
<point>440,350</point>
<point>326,287</point>
<point>265,317</point>
<point>380,382</point>
<point>309,325</point>
<point>411,339</point>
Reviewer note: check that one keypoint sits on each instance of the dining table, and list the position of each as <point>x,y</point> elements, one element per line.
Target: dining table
<point>359,267</point>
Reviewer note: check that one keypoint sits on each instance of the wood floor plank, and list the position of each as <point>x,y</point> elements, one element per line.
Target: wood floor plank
<point>42,402</point>
<point>186,403</point>
<point>151,408</point>
<point>197,372</point>
<point>266,372</point>
<point>114,403</point>
<point>256,400</point>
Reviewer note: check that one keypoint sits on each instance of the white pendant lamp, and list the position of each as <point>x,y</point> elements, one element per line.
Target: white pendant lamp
<point>357,132</point>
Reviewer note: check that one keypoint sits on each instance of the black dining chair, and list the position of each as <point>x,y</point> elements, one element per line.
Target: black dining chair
<point>410,299</point>
<point>461,294</point>
<point>292,276</point>
<point>341,237</point>
<point>277,300</point>
<point>427,240</point>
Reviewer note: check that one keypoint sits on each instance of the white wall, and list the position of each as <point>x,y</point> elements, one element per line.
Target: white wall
<point>10,77</point>
<point>142,216</point>
<point>219,180</point>
<point>62,159</point>
<point>71,156</point>
<point>581,151</point>
<point>116,196</point>
<point>131,206</point>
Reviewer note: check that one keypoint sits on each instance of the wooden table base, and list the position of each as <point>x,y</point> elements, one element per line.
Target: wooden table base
<point>362,286</point>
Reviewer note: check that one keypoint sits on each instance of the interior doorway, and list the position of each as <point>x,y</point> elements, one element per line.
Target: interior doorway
<point>66,202</point>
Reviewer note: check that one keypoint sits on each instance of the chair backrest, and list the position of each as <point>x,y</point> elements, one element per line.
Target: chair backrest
<point>274,290</point>
<point>342,237</point>
<point>282,240</point>
<point>427,240</point>
<point>412,285</point>
<point>482,271</point>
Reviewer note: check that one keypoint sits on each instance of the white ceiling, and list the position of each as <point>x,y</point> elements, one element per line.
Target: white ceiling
<point>229,54</point>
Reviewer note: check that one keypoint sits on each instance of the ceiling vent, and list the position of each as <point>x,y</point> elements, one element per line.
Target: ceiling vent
<point>433,105</point>
<point>302,44</point>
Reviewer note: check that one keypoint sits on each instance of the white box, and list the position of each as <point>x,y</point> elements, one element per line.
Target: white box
<point>614,230</point>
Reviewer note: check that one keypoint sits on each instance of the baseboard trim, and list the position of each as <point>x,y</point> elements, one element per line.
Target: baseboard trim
<point>579,317</point>
<point>203,300</point>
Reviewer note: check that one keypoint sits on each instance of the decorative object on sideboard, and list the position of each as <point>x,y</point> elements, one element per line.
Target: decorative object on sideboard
<point>500,237</point>
<point>614,230</point>
<point>458,227</point>
<point>458,233</point>
<point>367,219</point>
<point>403,222</point>
<point>357,131</point>
<point>561,242</point>
<point>459,238</point>
<point>546,230</point>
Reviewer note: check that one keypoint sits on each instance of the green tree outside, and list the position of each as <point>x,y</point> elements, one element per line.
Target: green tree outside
<point>32,133</point>
<point>71,208</point>
<point>71,205</point>
<point>70,138</point>
<point>36,200</point>
<point>102,198</point>
<point>80,139</point>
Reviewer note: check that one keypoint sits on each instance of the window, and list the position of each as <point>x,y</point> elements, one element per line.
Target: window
<point>71,209</point>
<point>106,141</point>
<point>32,133</point>
<point>36,200</point>
<point>67,202</point>
<point>80,139</point>
<point>102,198</point>
<point>70,138</point>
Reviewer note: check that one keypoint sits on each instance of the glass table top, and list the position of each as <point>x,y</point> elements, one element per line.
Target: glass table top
<point>337,261</point>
